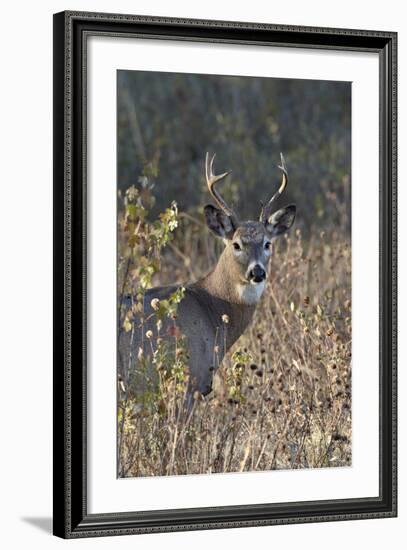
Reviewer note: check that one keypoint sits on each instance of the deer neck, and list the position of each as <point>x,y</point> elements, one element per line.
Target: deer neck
<point>230,295</point>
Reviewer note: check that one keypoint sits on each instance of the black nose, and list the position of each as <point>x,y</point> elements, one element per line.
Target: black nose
<point>257,274</point>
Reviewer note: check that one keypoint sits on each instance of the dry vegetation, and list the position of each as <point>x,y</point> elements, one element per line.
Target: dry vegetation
<point>282,398</point>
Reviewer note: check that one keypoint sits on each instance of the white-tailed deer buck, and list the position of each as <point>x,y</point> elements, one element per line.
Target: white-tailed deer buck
<point>217,309</point>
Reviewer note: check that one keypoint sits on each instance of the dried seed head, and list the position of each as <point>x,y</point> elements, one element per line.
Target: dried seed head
<point>155,304</point>
<point>149,334</point>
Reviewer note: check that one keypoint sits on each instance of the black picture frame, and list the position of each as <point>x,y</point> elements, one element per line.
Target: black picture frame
<point>71,519</point>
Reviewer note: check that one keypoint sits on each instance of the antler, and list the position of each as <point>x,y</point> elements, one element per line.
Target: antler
<point>211,180</point>
<point>266,209</point>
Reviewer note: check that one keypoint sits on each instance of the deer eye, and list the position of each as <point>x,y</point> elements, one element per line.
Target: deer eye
<point>267,245</point>
<point>236,246</point>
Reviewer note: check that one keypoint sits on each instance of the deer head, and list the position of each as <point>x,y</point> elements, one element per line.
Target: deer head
<point>248,244</point>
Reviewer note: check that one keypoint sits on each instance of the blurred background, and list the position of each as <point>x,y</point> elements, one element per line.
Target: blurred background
<point>166,123</point>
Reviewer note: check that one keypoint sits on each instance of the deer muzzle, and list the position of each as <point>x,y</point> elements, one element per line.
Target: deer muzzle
<point>256,274</point>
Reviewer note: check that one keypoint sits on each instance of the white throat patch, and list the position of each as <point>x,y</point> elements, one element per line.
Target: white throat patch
<point>250,293</point>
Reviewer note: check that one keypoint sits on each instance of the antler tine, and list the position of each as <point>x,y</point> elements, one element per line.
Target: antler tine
<point>211,180</point>
<point>266,209</point>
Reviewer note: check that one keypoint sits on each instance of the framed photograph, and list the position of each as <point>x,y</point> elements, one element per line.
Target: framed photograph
<point>224,326</point>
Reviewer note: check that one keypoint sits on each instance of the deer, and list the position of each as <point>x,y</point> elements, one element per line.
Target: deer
<point>216,309</point>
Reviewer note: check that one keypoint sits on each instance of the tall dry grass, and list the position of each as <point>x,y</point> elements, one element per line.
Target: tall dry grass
<point>282,397</point>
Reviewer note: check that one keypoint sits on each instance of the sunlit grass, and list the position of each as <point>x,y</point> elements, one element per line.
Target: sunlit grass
<point>282,397</point>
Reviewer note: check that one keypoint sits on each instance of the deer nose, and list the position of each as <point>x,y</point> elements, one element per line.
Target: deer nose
<point>257,274</point>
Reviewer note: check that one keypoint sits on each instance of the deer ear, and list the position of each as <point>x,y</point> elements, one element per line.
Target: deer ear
<point>279,222</point>
<point>218,222</point>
